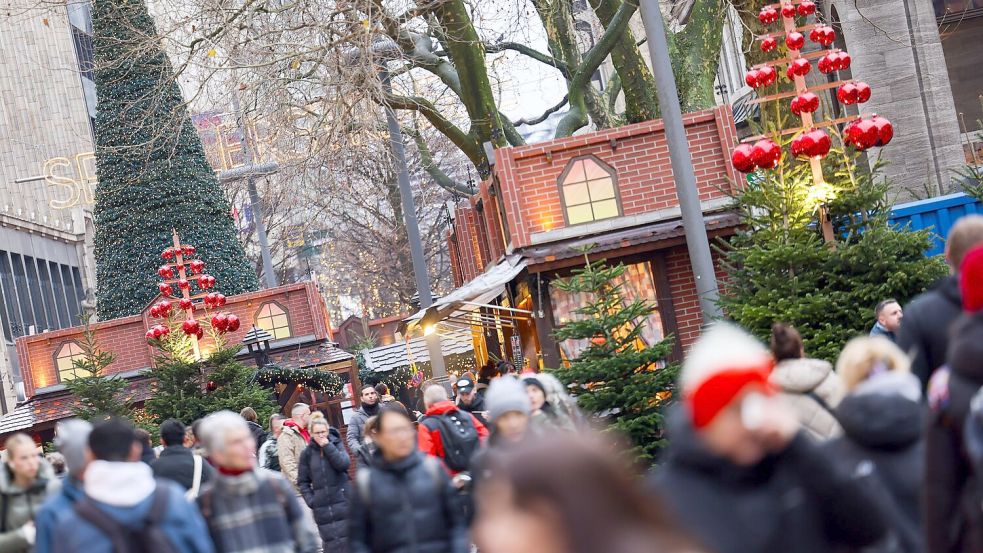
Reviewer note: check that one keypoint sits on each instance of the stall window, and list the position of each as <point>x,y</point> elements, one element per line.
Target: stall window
<point>589,189</point>
<point>273,319</point>
<point>65,359</point>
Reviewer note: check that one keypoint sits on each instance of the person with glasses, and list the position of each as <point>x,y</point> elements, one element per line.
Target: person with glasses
<point>323,481</point>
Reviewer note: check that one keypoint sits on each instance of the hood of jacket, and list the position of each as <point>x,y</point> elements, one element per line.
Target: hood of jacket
<point>966,347</point>
<point>884,412</point>
<point>948,288</point>
<point>7,486</point>
<point>800,375</point>
<point>399,466</point>
<point>441,408</point>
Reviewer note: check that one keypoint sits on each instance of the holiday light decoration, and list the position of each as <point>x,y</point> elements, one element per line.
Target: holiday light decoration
<point>811,142</point>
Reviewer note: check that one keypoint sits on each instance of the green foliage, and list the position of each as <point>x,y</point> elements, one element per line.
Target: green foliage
<point>614,378</point>
<point>781,270</point>
<point>97,393</point>
<point>325,382</point>
<point>153,175</point>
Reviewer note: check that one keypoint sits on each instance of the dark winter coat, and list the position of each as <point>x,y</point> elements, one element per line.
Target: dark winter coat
<point>323,481</point>
<point>259,435</point>
<point>177,463</point>
<point>477,408</point>
<point>797,500</point>
<point>410,507</point>
<point>365,454</point>
<point>882,422</point>
<point>21,505</point>
<point>924,333</point>
<point>953,518</point>
<point>356,426</point>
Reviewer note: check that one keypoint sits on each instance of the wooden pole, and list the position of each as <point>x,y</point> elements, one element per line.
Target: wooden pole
<point>185,292</point>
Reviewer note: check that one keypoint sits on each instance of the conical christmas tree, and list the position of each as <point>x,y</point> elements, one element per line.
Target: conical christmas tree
<point>153,175</point>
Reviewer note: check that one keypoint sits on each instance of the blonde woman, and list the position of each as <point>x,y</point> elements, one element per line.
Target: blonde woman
<point>881,416</point>
<point>322,477</point>
<point>26,480</point>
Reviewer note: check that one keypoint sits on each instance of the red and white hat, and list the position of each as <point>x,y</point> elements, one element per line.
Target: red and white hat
<point>721,364</point>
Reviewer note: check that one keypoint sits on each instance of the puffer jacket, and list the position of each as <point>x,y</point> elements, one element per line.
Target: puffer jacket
<point>410,506</point>
<point>952,491</point>
<point>20,505</point>
<point>882,423</point>
<point>323,481</point>
<point>796,379</point>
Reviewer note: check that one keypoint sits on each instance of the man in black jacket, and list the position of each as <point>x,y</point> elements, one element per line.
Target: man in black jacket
<point>176,462</point>
<point>924,332</point>
<point>741,475</point>
<point>469,400</point>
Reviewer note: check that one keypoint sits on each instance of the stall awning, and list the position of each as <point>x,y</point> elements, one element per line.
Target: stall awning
<point>401,354</point>
<point>469,298</point>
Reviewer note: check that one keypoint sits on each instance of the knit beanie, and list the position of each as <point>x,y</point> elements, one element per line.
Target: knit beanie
<point>721,364</point>
<point>72,437</point>
<point>533,381</point>
<point>971,280</point>
<point>506,395</point>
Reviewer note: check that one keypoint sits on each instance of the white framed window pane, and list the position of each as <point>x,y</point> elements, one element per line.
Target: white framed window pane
<point>601,189</point>
<point>576,194</point>
<point>593,171</point>
<point>605,209</point>
<point>579,214</point>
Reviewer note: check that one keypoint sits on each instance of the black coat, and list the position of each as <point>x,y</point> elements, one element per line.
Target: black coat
<point>322,476</point>
<point>882,424</point>
<point>798,500</point>
<point>177,463</point>
<point>925,328</point>
<point>410,507</point>
<point>476,408</point>
<point>953,519</point>
<point>259,434</point>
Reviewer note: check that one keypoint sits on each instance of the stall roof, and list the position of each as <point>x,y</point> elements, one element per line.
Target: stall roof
<point>387,358</point>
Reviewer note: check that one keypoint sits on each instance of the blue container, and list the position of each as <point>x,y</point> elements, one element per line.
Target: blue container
<point>935,214</point>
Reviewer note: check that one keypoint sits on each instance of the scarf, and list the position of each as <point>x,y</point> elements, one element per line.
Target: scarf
<point>119,484</point>
<point>290,423</point>
<point>370,410</point>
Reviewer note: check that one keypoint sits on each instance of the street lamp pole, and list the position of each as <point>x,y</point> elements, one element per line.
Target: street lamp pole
<point>682,164</point>
<point>413,230</point>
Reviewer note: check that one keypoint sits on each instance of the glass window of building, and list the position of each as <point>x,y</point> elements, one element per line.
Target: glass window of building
<point>589,189</point>
<point>273,319</point>
<point>65,359</point>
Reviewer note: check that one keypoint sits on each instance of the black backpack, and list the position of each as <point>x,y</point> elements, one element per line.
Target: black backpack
<point>458,435</point>
<point>149,538</point>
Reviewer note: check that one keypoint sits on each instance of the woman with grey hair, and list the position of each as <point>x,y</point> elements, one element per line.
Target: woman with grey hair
<point>248,509</point>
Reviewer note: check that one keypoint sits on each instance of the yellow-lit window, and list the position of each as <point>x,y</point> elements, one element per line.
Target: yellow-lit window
<point>590,191</point>
<point>273,319</point>
<point>65,360</point>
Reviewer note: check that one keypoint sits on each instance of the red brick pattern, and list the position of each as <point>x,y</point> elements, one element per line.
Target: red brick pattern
<point>686,302</point>
<point>468,245</point>
<point>125,337</point>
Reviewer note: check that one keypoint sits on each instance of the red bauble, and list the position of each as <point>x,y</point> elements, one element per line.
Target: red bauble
<point>165,289</point>
<point>209,300</point>
<point>834,61</point>
<point>206,282</point>
<point>820,143</point>
<point>220,321</point>
<point>219,300</point>
<point>197,266</point>
<point>862,134</point>
<point>768,15</point>
<point>806,8</point>
<point>842,61</point>
<point>788,10</point>
<point>795,40</point>
<point>599,340</point>
<point>766,153</point>
<point>233,323</point>
<point>799,67</point>
<point>165,271</point>
<point>769,44</point>
<point>847,94</point>
<point>767,75</point>
<point>154,311</point>
<point>823,65</point>
<point>186,304</point>
<point>162,330</point>
<point>190,327</point>
<point>741,158</point>
<point>168,253</point>
<point>885,130</point>
<point>863,92</point>
<point>753,78</point>
<point>188,249</point>
<point>163,308</point>
<point>211,386</point>
<point>200,334</point>
<point>823,34</point>
<point>807,102</point>
<point>150,335</point>
<point>183,284</point>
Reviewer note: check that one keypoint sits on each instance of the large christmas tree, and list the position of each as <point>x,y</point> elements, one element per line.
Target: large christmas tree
<point>153,175</point>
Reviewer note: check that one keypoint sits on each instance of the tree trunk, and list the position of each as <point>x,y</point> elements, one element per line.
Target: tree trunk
<point>641,100</point>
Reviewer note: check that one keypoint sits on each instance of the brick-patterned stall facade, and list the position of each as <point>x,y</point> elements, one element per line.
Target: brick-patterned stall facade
<point>125,337</point>
<point>521,209</point>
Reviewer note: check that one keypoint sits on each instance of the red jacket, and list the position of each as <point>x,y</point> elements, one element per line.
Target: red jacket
<point>429,440</point>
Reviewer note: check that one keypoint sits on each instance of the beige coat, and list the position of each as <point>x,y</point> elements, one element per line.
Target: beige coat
<point>289,446</point>
<point>795,378</point>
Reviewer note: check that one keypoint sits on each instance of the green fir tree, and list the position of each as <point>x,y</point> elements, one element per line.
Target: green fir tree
<point>98,394</point>
<point>153,175</point>
<point>617,378</point>
<point>780,269</point>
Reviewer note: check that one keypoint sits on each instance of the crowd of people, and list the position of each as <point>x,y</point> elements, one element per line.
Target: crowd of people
<point>769,451</point>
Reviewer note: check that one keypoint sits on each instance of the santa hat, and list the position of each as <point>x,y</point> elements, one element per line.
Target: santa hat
<point>721,364</point>
<point>971,280</point>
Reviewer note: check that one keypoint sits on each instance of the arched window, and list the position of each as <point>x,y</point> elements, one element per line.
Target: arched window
<point>68,353</point>
<point>589,189</point>
<point>273,319</point>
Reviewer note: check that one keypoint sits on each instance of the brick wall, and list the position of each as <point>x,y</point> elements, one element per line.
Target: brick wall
<point>686,302</point>
<point>528,175</point>
<point>125,337</point>
<point>469,255</point>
